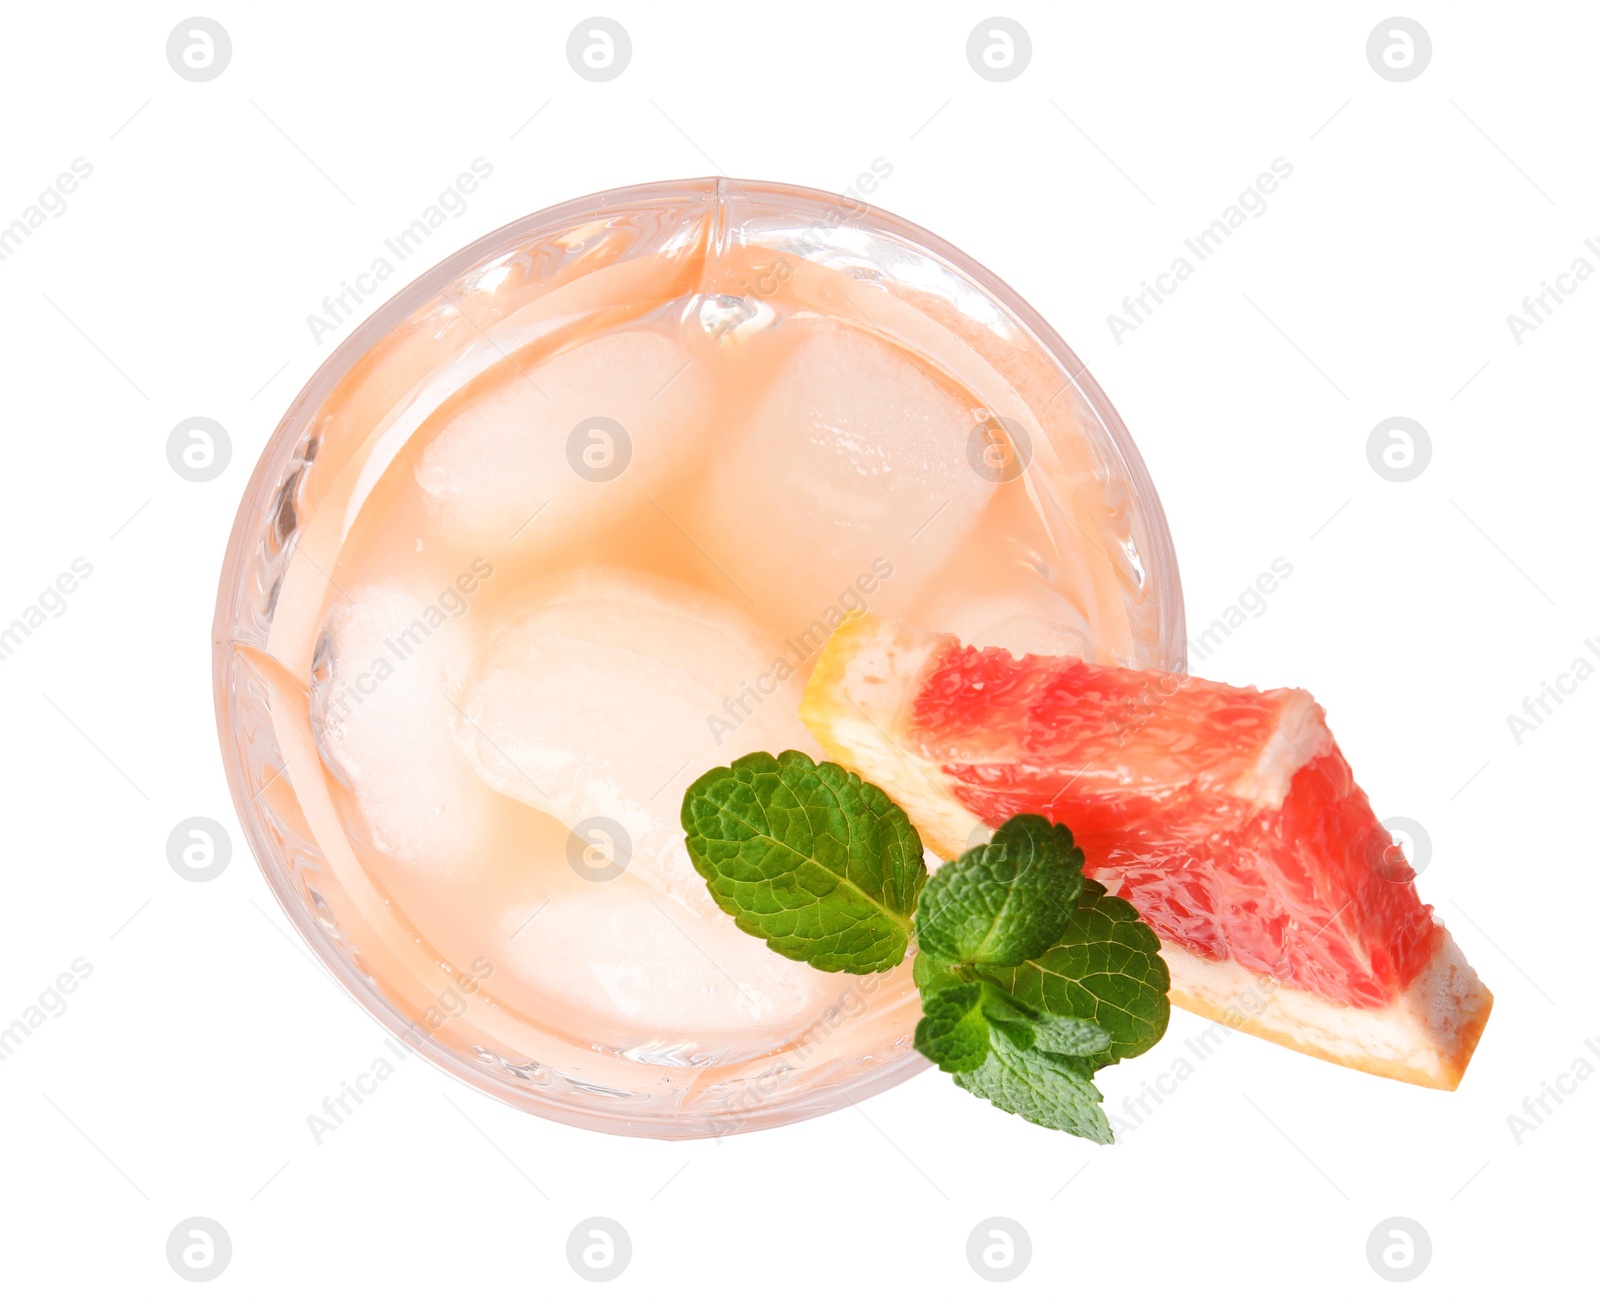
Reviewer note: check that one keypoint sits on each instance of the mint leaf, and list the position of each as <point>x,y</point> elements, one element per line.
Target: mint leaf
<point>958,1020</point>
<point>954,1033</point>
<point>1002,1051</point>
<point>1069,1036</point>
<point>930,974</point>
<point>1053,1091</point>
<point>821,865</point>
<point>1005,901</point>
<point>1106,968</point>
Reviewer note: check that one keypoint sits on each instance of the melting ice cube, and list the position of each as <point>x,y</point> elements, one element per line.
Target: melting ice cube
<point>555,448</point>
<point>382,711</point>
<point>854,455</point>
<point>630,962</point>
<point>605,693</point>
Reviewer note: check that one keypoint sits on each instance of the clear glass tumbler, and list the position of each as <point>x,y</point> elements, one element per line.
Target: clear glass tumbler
<point>471,312</point>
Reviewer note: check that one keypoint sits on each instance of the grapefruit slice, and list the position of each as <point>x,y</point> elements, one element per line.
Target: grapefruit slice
<point>1226,815</point>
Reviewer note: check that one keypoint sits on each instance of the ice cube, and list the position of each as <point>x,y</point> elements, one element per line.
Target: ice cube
<point>390,654</point>
<point>854,455</point>
<point>606,692</point>
<point>628,962</point>
<point>549,450</point>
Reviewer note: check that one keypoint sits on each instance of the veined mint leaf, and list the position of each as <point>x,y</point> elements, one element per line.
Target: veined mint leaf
<point>1106,967</point>
<point>1005,901</point>
<point>954,1033</point>
<point>1069,1036</point>
<point>821,865</point>
<point>997,1049</point>
<point>959,1019</point>
<point>1056,1092</point>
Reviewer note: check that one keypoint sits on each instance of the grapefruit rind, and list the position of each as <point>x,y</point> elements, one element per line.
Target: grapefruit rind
<point>1426,1035</point>
<point>863,684</point>
<point>858,700</point>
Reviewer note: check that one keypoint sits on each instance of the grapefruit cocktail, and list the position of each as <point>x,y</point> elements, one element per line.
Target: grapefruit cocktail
<point>757,514</point>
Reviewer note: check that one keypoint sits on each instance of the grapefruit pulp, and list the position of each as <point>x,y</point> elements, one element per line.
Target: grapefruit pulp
<point>1226,815</point>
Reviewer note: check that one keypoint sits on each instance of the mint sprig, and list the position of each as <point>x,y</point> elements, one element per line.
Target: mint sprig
<point>1032,976</point>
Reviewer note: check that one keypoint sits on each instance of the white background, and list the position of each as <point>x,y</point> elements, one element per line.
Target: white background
<point>178,282</point>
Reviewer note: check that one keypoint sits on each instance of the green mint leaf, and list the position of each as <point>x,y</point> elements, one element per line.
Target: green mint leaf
<point>1000,1050</point>
<point>1069,1036</point>
<point>1056,1092</point>
<point>1006,901</point>
<point>958,1020</point>
<point>1106,968</point>
<point>821,865</point>
<point>954,1033</point>
<point>932,975</point>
